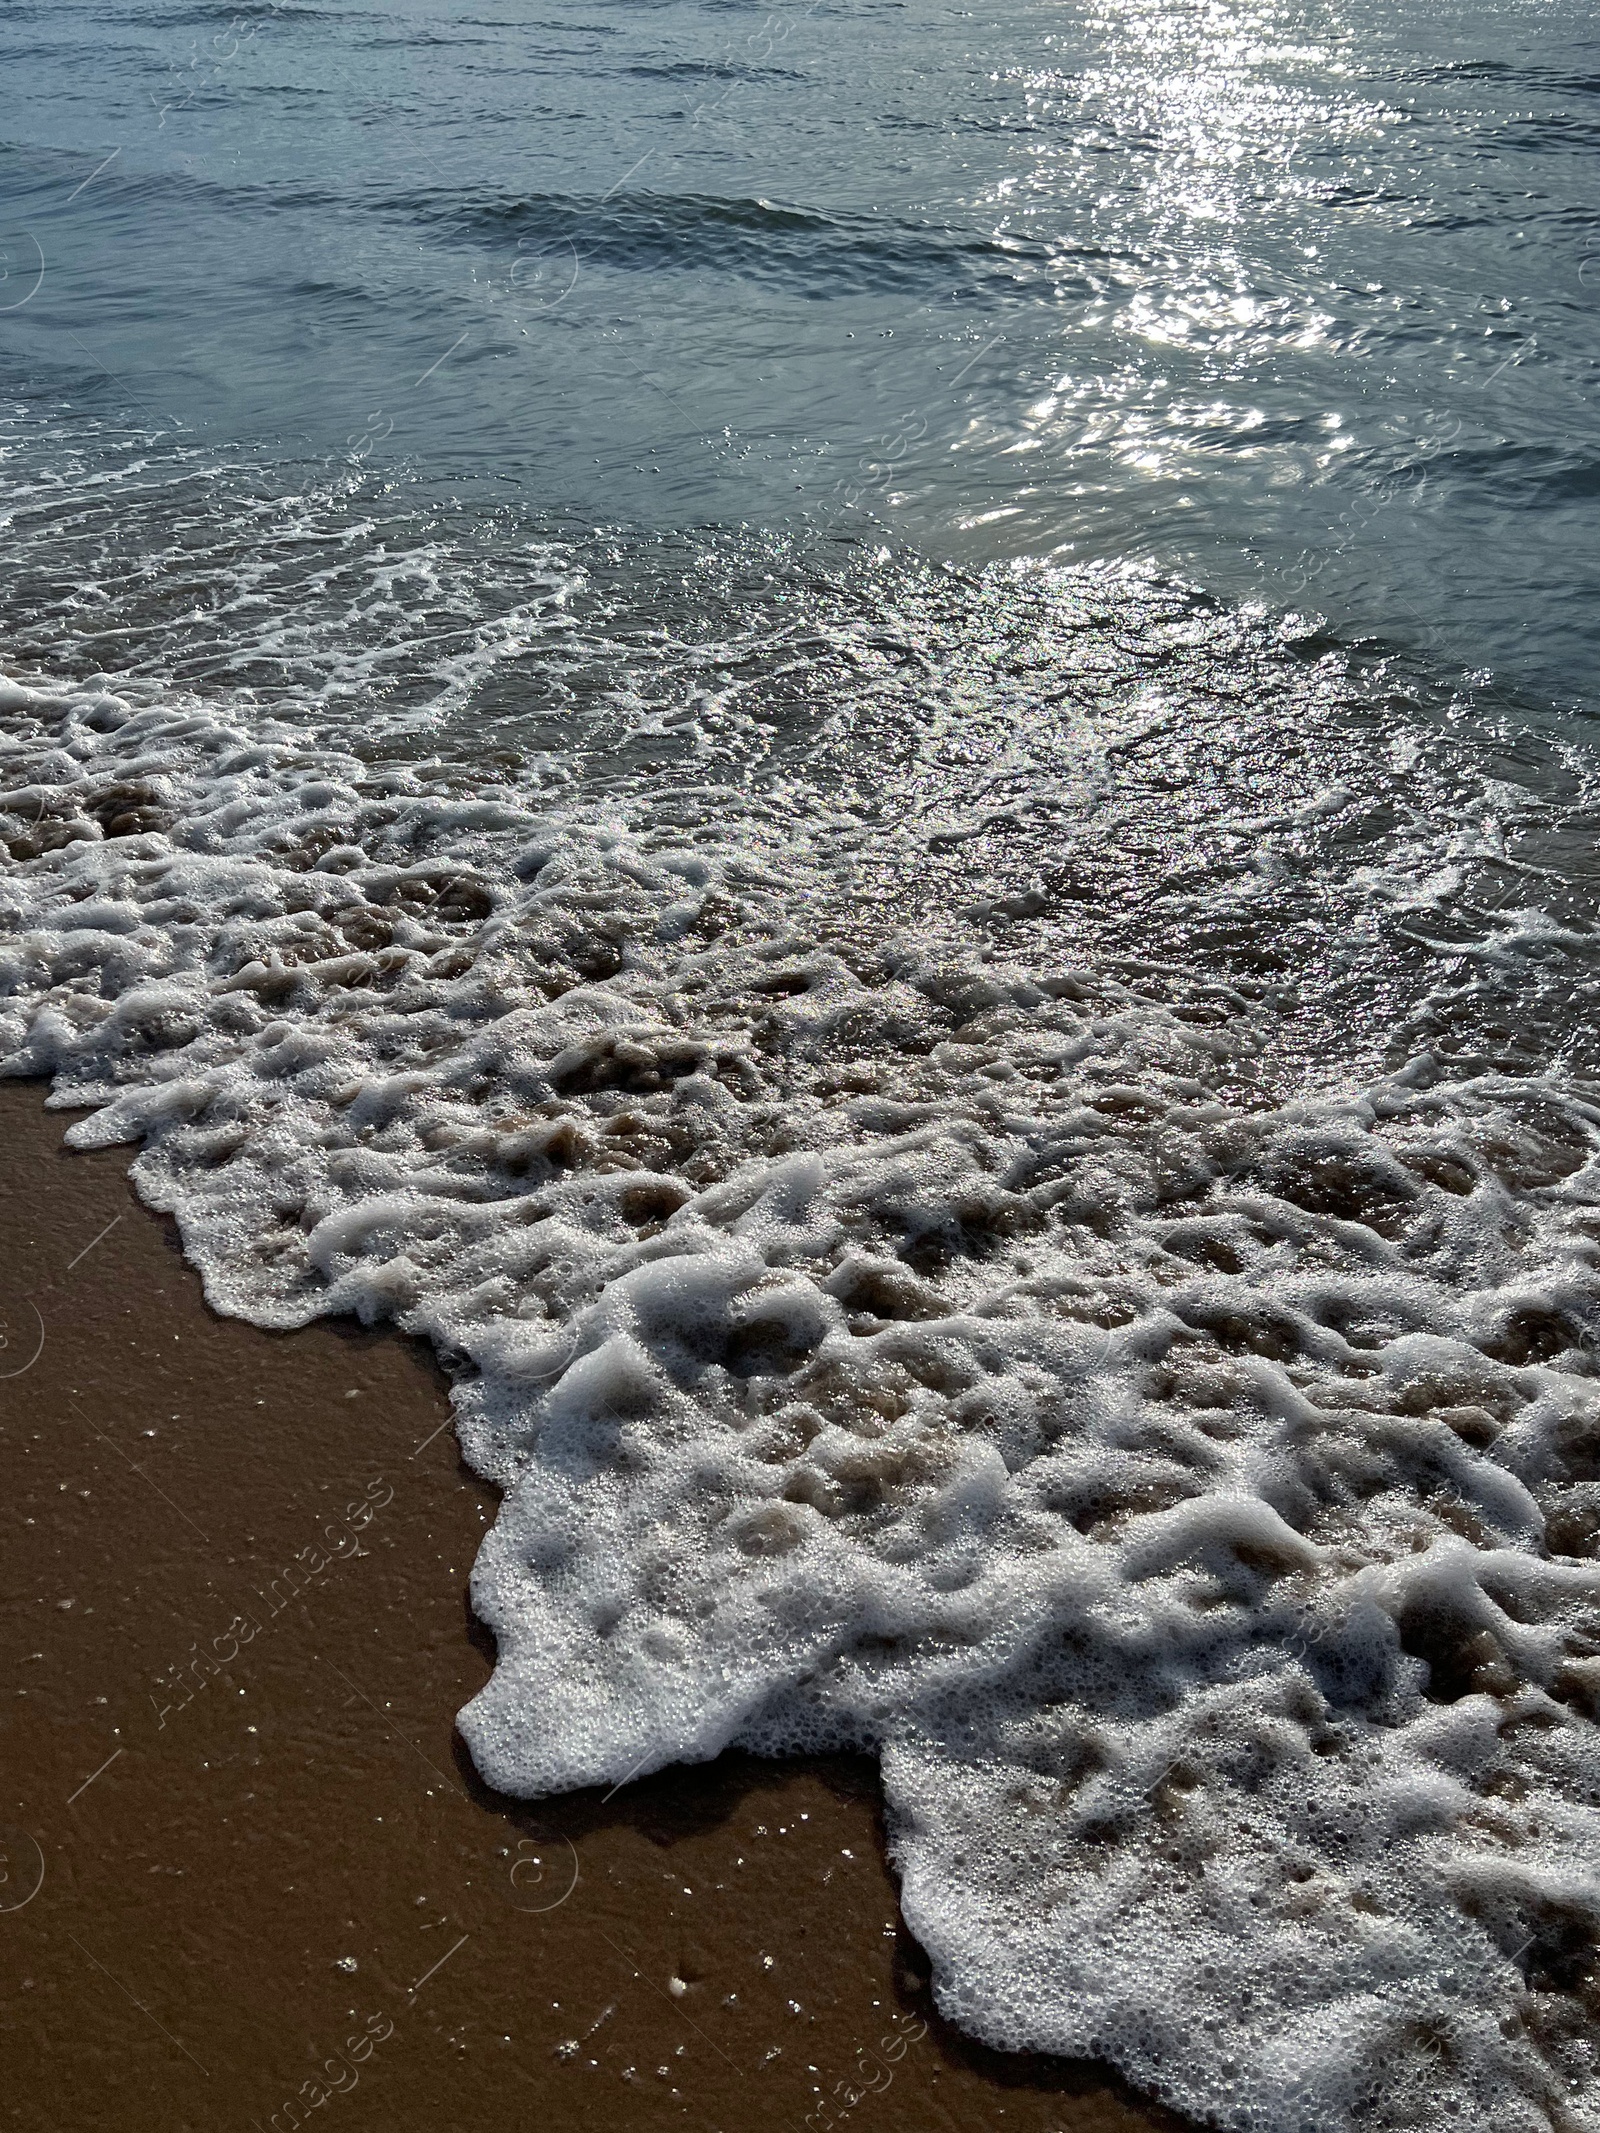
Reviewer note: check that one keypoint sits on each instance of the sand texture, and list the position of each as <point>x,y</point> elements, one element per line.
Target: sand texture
<point>237,1637</point>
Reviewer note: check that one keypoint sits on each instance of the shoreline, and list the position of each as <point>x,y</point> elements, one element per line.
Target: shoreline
<point>250,1871</point>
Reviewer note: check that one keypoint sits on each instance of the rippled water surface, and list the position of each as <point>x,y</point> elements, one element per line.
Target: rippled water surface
<point>1294,299</point>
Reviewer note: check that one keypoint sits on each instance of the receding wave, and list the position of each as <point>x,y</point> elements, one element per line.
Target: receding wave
<point>1005,1171</point>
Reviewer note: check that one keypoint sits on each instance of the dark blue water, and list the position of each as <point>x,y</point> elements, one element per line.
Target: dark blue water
<point>1294,300</point>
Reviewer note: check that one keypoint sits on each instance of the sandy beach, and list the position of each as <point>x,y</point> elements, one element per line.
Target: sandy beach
<point>250,1874</point>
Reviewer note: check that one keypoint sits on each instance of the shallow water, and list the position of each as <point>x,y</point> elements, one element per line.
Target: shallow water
<point>859,745</point>
<point>1296,300</point>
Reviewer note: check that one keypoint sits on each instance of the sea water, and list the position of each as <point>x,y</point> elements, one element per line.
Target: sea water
<point>857,742</point>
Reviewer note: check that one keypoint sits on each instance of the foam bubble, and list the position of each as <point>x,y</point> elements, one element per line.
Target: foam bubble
<point>891,1330</point>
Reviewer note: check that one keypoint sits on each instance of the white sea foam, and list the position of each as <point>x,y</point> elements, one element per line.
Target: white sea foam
<point>908,1336</point>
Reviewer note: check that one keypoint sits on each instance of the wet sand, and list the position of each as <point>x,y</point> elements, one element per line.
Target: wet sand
<point>249,1874</point>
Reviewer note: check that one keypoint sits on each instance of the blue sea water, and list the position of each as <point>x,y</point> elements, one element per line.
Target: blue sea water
<point>1295,301</point>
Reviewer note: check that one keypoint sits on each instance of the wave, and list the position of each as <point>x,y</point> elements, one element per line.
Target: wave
<point>629,231</point>
<point>763,240</point>
<point>994,1189</point>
